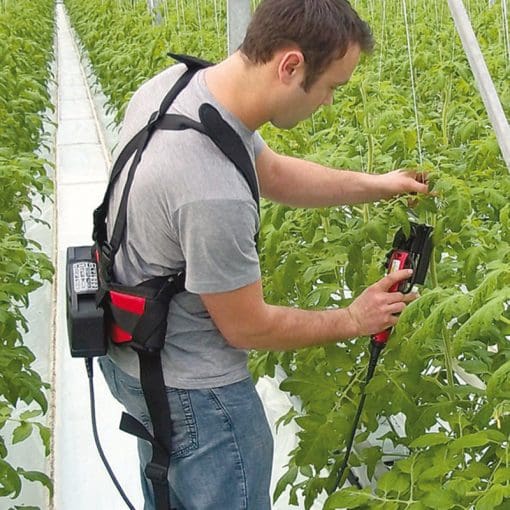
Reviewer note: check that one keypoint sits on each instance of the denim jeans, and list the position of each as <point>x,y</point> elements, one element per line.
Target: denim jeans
<point>222,446</point>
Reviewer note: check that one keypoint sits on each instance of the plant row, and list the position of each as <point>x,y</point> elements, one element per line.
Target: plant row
<point>126,45</point>
<point>26,40</point>
<point>455,436</point>
<point>441,393</point>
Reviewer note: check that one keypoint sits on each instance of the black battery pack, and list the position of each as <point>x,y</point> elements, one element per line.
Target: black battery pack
<point>85,324</point>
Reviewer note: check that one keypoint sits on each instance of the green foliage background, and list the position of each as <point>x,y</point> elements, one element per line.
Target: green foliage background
<point>455,434</point>
<point>26,42</point>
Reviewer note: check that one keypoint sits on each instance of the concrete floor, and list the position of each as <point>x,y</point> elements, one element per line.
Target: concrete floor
<point>81,175</point>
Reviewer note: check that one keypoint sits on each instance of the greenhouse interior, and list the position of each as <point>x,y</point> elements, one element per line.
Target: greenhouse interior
<point>429,426</point>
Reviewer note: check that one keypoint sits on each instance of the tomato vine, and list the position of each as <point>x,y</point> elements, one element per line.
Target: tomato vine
<point>26,41</point>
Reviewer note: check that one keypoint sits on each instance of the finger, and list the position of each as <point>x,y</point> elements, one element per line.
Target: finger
<point>409,298</point>
<point>421,180</point>
<point>423,188</point>
<point>392,321</point>
<point>395,297</point>
<point>422,177</point>
<point>392,278</point>
<point>419,187</point>
<point>396,308</point>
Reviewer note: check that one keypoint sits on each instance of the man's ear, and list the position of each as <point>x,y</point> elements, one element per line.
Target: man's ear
<point>290,66</point>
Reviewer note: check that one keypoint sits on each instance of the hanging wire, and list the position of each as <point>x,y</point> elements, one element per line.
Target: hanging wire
<point>199,18</point>
<point>413,87</point>
<point>381,42</point>
<point>505,25</point>
<point>216,19</point>
<point>178,16</point>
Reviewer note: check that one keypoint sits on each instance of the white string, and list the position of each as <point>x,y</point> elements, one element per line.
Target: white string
<point>412,81</point>
<point>199,18</point>
<point>178,16</point>
<point>505,24</point>
<point>216,19</point>
<point>381,43</point>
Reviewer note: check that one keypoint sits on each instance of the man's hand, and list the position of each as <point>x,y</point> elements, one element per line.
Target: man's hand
<point>398,182</point>
<point>376,309</point>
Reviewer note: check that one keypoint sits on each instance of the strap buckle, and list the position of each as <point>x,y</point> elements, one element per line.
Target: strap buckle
<point>156,473</point>
<point>106,252</point>
<point>152,119</point>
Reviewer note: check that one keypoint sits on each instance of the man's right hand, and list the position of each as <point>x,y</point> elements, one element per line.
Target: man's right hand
<point>376,309</point>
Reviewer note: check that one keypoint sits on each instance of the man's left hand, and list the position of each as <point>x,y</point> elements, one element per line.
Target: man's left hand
<point>403,180</point>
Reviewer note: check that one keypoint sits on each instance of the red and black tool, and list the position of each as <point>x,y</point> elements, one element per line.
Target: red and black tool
<point>408,252</point>
<point>411,252</point>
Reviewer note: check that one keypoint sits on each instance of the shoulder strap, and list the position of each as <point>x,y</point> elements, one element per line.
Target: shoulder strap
<point>136,145</point>
<point>231,144</point>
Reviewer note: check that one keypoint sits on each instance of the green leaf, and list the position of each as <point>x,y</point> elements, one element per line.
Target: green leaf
<point>21,432</point>
<point>470,441</point>
<point>10,482</point>
<point>37,476</point>
<point>430,439</point>
<point>439,499</point>
<point>287,479</point>
<point>347,498</point>
<point>393,482</point>
<point>30,414</point>
<point>498,386</point>
<point>377,230</point>
<point>492,498</point>
<point>502,474</point>
<point>45,434</point>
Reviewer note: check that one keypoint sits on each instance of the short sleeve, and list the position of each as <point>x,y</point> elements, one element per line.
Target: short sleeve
<point>258,143</point>
<point>217,238</point>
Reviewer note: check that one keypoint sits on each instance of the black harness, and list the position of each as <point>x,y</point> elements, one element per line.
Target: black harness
<point>137,315</point>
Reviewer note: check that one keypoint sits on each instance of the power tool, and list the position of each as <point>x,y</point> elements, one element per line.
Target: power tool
<point>408,252</point>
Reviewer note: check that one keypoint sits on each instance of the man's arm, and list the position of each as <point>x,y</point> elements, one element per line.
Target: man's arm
<point>247,322</point>
<point>301,183</point>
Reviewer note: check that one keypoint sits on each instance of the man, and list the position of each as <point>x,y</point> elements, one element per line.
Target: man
<point>190,208</point>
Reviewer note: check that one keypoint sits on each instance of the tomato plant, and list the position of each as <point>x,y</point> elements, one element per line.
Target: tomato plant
<point>455,434</point>
<point>26,41</point>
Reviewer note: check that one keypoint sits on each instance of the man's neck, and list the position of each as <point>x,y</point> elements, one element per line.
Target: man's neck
<point>239,89</point>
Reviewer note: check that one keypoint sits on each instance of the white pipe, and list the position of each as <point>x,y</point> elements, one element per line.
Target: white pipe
<point>505,28</point>
<point>238,18</point>
<point>482,77</point>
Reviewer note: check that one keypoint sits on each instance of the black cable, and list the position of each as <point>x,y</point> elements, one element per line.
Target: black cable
<point>90,374</point>
<point>375,350</point>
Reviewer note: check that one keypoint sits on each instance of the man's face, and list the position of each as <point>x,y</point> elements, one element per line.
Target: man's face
<point>300,104</point>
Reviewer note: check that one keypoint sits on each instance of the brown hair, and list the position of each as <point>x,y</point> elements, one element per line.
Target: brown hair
<point>322,29</point>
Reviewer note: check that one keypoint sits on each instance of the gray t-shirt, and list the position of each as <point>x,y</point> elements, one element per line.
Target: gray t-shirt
<point>189,208</point>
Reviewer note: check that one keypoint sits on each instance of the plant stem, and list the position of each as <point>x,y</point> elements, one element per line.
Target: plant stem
<point>448,365</point>
<point>399,388</point>
<point>433,266</point>
<point>370,146</point>
<point>354,379</point>
<point>444,113</point>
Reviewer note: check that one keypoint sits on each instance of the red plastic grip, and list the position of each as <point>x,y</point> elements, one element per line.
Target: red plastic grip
<point>398,260</point>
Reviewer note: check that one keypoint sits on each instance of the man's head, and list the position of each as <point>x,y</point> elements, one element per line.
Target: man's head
<point>322,30</point>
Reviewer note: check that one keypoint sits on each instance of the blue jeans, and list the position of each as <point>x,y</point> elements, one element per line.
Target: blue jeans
<point>222,446</point>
